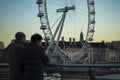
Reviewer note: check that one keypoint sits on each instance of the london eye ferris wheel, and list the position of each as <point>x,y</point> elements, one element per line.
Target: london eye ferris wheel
<point>66,18</point>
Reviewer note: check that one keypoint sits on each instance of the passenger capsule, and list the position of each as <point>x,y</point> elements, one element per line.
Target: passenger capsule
<point>92,22</point>
<point>90,39</point>
<point>92,30</point>
<point>92,3</point>
<point>40,15</point>
<point>43,27</point>
<point>39,2</point>
<point>47,38</point>
<point>92,12</point>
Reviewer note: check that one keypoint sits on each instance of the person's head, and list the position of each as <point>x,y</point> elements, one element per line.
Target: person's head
<point>37,39</point>
<point>20,37</point>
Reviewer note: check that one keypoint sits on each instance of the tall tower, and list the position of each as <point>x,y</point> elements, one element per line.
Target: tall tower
<point>74,43</point>
<point>63,41</point>
<point>70,42</point>
<point>81,38</point>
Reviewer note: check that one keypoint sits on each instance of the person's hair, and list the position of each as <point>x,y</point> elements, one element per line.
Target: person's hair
<point>19,35</point>
<point>36,37</point>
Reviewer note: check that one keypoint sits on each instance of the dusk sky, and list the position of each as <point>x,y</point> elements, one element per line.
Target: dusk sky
<point>21,15</point>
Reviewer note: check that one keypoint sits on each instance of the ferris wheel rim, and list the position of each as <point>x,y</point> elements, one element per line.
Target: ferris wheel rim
<point>42,7</point>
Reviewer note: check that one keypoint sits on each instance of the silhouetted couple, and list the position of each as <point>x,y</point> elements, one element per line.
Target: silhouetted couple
<point>26,60</point>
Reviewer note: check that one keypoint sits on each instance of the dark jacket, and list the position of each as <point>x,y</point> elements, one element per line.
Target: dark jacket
<point>33,60</point>
<point>14,56</point>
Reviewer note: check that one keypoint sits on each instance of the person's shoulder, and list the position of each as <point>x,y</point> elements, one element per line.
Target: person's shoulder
<point>18,45</point>
<point>40,47</point>
<point>21,45</point>
<point>26,44</point>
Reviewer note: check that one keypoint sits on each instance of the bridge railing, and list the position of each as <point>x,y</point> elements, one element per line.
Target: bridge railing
<point>73,71</point>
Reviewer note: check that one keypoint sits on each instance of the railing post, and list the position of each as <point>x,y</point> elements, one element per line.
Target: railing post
<point>91,74</point>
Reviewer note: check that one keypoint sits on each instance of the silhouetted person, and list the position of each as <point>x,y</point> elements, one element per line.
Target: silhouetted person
<point>34,58</point>
<point>14,52</point>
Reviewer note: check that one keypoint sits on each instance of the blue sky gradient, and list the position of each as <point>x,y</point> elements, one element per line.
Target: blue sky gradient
<point>21,15</point>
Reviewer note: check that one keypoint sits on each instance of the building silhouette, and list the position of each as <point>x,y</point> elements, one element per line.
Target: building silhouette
<point>1,45</point>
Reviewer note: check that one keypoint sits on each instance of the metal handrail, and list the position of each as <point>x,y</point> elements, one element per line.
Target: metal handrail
<point>73,65</point>
<point>90,71</point>
<point>4,65</point>
<point>84,65</point>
